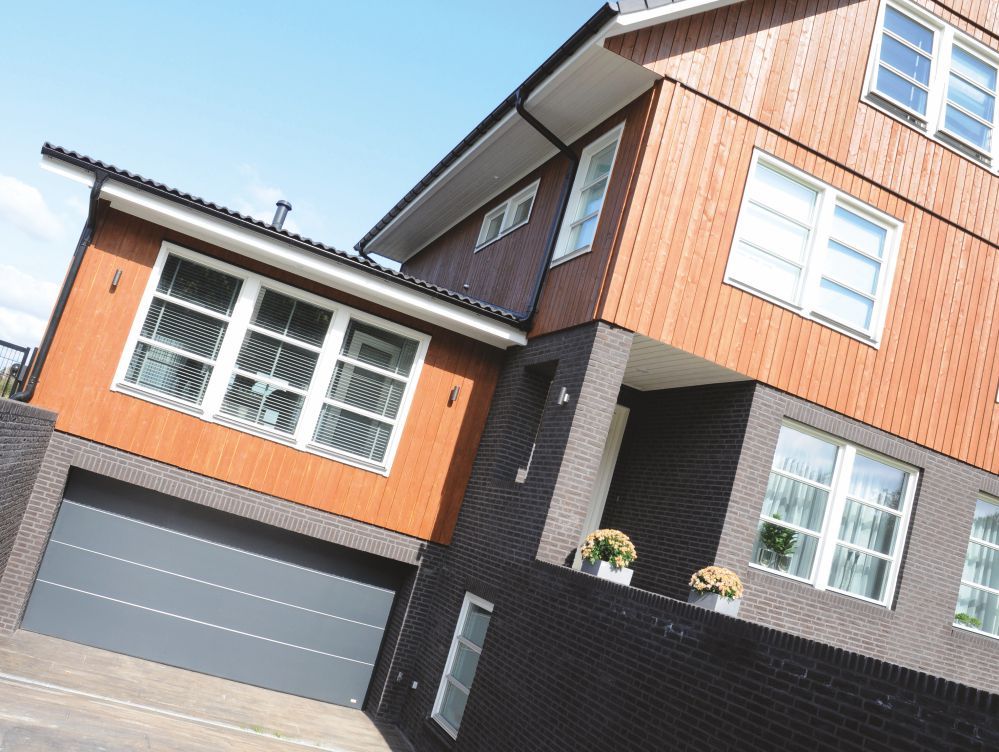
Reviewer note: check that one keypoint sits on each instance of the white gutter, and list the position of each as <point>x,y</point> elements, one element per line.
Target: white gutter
<point>337,275</point>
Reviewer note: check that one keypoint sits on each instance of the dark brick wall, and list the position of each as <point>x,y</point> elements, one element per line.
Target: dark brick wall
<point>24,433</point>
<point>673,479</point>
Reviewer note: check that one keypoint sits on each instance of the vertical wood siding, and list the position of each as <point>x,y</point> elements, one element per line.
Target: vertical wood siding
<point>787,78</point>
<point>421,496</point>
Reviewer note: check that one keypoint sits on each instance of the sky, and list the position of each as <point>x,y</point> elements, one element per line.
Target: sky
<point>338,107</point>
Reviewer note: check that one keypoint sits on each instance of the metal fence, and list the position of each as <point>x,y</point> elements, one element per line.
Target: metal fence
<point>14,361</point>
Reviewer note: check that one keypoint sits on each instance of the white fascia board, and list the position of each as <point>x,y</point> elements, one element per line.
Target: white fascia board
<point>312,266</point>
<point>642,19</point>
<point>76,174</point>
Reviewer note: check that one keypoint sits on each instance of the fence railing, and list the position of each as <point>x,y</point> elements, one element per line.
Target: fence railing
<point>14,361</point>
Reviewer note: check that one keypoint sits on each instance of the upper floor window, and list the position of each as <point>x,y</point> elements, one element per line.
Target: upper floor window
<point>508,216</point>
<point>462,662</point>
<point>811,248</point>
<point>586,200</point>
<point>236,348</point>
<point>978,602</point>
<point>835,515</point>
<point>936,78</point>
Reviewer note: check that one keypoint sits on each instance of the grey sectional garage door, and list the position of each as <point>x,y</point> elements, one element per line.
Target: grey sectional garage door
<point>127,585</point>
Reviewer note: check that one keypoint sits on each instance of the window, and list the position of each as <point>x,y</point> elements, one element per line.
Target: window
<point>462,661</point>
<point>587,198</point>
<point>508,216</point>
<point>813,249</point>
<point>934,77</point>
<point>846,510</point>
<point>236,348</point>
<point>978,602</point>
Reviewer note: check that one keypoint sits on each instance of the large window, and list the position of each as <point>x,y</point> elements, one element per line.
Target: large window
<point>978,602</point>
<point>462,662</point>
<point>508,216</point>
<point>240,349</point>
<point>811,248</point>
<point>586,200</point>
<point>835,515</point>
<point>932,76</point>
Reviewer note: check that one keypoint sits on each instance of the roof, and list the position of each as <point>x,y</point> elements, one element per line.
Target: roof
<point>358,262</point>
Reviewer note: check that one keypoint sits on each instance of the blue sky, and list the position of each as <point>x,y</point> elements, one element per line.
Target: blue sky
<point>338,107</point>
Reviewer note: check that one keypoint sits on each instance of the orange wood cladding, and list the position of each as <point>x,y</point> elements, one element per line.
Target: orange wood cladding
<point>787,78</point>
<point>424,490</point>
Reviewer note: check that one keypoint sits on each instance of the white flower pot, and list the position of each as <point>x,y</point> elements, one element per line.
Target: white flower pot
<point>715,602</point>
<point>604,570</point>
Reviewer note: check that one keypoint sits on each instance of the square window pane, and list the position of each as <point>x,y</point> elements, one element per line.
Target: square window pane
<point>521,212</point>
<point>868,527</point>
<point>764,272</point>
<point>476,624</point>
<point>795,502</point>
<point>381,348</point>
<point>798,563</point>
<point>805,455</point>
<point>986,524</point>
<point>905,60</point>
<point>265,356</point>
<point>966,127</point>
<point>981,605</point>
<point>291,317</point>
<point>262,403</point>
<point>845,305</point>
<point>453,705</point>
<point>981,566</point>
<point>180,327</point>
<point>352,433</point>
<point>900,90</point>
<point>780,192</point>
<point>493,227</point>
<point>851,268</point>
<point>858,573</point>
<point>909,29</point>
<point>973,68</point>
<point>199,284</point>
<point>465,663</point>
<point>591,199</point>
<point>877,482</point>
<point>853,230</point>
<point>169,373</point>
<point>767,230</point>
<point>374,392</point>
<point>600,163</point>
<point>582,235</point>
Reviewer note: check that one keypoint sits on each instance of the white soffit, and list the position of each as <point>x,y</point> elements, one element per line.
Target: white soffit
<point>654,365</point>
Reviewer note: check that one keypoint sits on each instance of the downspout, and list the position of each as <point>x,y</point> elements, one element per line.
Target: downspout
<point>563,203</point>
<point>86,235</point>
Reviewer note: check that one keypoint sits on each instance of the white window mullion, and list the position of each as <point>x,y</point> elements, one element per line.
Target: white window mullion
<point>325,367</point>
<point>837,502</point>
<point>225,364</point>
<point>936,106</point>
<point>816,257</point>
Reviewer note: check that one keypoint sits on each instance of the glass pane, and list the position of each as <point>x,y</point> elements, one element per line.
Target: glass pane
<point>180,327</point>
<point>859,233</point>
<point>877,482</point>
<point>262,403</point>
<point>795,502</point>
<point>453,705</point>
<point>582,235</point>
<point>198,284</point>
<point>972,131</point>
<point>973,68</point>
<point>986,524</point>
<point>767,230</point>
<point>904,92</point>
<point>845,305</point>
<point>788,196</point>
<point>798,563</point>
<point>970,97</point>
<point>352,433</point>
<point>851,268</point>
<point>476,624</point>
<point>859,573</point>
<point>805,455</point>
<point>493,227</point>
<point>591,199</point>
<point>367,390</point>
<point>868,527</point>
<point>982,566</point>
<point>600,163</point>
<point>166,372</point>
<point>380,348</point>
<point>522,210</point>
<point>764,272</point>
<point>291,317</point>
<point>905,60</point>
<point>465,663</point>
<point>264,356</point>
<point>980,605</point>
<point>910,30</point>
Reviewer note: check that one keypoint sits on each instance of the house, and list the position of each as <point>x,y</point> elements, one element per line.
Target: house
<point>715,267</point>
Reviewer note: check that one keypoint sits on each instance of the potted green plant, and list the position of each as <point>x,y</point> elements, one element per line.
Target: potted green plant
<point>967,620</point>
<point>716,589</point>
<point>607,554</point>
<point>776,545</point>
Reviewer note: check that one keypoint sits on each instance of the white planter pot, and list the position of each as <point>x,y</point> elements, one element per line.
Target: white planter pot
<point>604,570</point>
<point>715,602</point>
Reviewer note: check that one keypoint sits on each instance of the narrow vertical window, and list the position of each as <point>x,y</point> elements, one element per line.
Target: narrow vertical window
<point>462,663</point>
<point>978,601</point>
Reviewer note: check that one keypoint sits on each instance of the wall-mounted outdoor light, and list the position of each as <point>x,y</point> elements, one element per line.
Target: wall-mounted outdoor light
<point>116,280</point>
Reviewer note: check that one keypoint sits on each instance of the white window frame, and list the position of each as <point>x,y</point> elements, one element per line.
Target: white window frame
<point>828,536</point>
<point>507,211</point>
<point>969,583</point>
<point>238,326</point>
<point>613,136</point>
<point>827,200</point>
<point>456,640</point>
<point>945,38</point>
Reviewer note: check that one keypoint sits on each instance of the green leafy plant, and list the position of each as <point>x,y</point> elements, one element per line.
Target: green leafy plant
<point>608,545</point>
<point>780,540</point>
<point>967,620</point>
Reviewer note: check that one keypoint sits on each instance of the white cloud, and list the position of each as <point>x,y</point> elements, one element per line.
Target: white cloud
<point>24,207</point>
<point>25,304</point>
